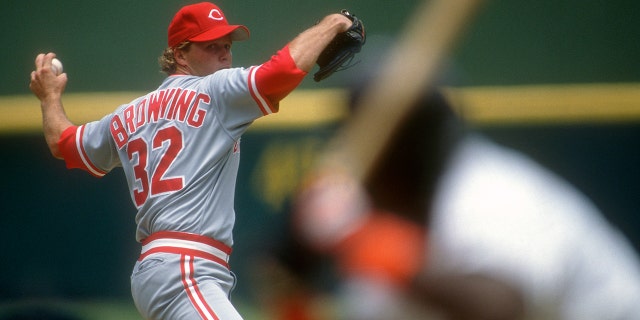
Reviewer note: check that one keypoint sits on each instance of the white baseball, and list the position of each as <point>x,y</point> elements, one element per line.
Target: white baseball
<point>56,66</point>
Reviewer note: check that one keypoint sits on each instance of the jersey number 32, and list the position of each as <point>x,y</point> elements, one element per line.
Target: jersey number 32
<point>168,139</point>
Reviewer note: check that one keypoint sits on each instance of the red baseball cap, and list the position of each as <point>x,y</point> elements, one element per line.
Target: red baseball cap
<point>200,22</point>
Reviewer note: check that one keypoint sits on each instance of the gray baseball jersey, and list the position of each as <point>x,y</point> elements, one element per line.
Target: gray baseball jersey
<point>179,146</point>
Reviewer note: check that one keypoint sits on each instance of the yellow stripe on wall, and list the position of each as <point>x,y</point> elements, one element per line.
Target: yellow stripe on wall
<point>304,108</point>
<point>549,103</point>
<point>22,113</point>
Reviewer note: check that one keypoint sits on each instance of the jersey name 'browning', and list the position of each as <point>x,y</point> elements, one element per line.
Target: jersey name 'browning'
<point>178,104</point>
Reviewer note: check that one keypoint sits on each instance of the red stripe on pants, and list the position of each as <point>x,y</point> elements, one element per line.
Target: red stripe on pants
<point>193,291</point>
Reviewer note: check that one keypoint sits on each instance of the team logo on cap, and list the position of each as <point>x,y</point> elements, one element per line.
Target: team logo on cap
<point>215,14</point>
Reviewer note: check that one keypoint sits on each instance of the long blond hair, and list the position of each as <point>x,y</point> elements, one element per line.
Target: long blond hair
<point>167,60</point>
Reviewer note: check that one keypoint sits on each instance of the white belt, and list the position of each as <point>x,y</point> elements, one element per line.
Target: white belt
<point>186,243</point>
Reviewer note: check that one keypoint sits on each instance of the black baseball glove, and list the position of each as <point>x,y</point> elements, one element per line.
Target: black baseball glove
<point>341,50</point>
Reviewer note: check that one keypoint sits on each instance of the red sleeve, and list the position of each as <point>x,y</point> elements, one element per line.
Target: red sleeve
<point>275,79</point>
<point>72,150</point>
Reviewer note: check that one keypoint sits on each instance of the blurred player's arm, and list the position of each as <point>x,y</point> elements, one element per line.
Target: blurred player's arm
<point>475,297</point>
<point>333,217</point>
<point>49,88</point>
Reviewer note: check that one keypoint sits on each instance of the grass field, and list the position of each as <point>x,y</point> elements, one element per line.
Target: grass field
<point>59,309</point>
<point>69,310</point>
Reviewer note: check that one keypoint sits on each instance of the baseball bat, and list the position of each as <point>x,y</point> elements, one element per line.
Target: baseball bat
<point>410,67</point>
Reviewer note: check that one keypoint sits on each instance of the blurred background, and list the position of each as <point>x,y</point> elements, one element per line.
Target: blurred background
<point>557,79</point>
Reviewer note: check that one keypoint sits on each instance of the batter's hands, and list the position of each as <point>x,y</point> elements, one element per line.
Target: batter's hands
<point>44,82</point>
<point>334,216</point>
<point>329,206</point>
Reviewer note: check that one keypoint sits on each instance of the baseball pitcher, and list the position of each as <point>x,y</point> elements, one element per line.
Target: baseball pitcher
<point>179,147</point>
